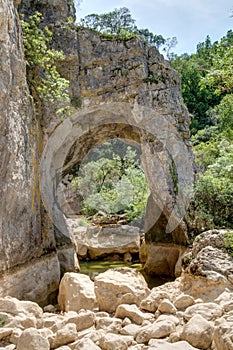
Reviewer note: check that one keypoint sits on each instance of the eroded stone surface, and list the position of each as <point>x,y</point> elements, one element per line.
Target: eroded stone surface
<point>76,291</point>
<point>119,286</point>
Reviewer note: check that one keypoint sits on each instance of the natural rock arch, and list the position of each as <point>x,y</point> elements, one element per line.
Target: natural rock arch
<point>162,152</point>
<point>120,83</point>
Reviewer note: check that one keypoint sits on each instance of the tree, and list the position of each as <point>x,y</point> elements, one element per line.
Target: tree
<point>213,206</point>
<point>114,185</point>
<point>45,82</point>
<point>113,22</point>
<point>192,70</point>
<point>120,22</point>
<point>220,75</point>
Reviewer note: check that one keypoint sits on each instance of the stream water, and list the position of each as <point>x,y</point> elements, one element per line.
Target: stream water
<point>93,268</point>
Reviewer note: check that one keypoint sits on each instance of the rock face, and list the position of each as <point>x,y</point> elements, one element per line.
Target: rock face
<point>124,89</point>
<point>24,233</point>
<point>99,241</point>
<point>119,88</point>
<point>208,267</point>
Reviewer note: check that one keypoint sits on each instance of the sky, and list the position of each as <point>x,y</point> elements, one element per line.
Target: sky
<point>190,21</point>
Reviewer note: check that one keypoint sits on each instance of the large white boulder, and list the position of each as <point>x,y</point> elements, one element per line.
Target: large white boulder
<point>198,332</point>
<point>76,292</point>
<point>156,330</point>
<point>15,307</point>
<point>133,313</point>
<point>119,286</point>
<point>97,241</point>
<point>159,344</point>
<point>223,333</point>
<point>32,339</point>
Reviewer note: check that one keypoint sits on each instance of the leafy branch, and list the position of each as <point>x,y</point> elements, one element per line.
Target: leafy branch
<point>45,82</point>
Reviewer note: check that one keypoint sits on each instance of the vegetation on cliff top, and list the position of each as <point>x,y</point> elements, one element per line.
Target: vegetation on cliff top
<point>120,24</point>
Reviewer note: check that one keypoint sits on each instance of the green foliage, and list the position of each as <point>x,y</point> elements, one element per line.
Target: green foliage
<point>192,69</point>
<point>114,184</point>
<point>2,322</point>
<point>45,82</point>
<point>213,206</point>
<point>113,22</point>
<point>120,24</point>
<point>220,75</point>
<point>229,241</point>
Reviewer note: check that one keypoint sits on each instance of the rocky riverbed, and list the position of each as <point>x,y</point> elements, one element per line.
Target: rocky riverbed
<point>118,312</point>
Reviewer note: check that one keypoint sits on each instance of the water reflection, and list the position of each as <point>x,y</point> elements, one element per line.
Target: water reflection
<point>93,268</point>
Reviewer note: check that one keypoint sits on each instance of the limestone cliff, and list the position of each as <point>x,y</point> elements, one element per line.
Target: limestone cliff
<point>23,236</point>
<point>118,88</point>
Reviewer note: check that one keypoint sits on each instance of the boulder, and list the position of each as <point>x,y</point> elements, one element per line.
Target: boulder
<point>210,311</point>
<point>133,313</point>
<point>208,267</point>
<point>5,332</point>
<point>112,341</point>
<point>64,336</point>
<point>183,301</point>
<point>119,286</point>
<point>31,339</point>
<point>198,332</point>
<point>152,301</point>
<point>15,335</point>
<point>164,259</point>
<point>15,307</point>
<point>166,307</point>
<point>157,330</point>
<point>83,319</point>
<point>98,241</point>
<point>76,292</point>
<point>223,334</point>
<point>158,344</point>
<point>109,324</point>
<point>130,329</point>
<point>86,344</point>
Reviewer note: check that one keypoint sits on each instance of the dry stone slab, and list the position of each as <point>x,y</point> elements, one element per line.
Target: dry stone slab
<point>115,342</point>
<point>166,307</point>
<point>157,330</point>
<point>223,335</point>
<point>83,319</point>
<point>167,318</point>
<point>152,301</point>
<point>109,324</point>
<point>133,313</point>
<point>31,339</point>
<point>66,335</point>
<point>76,292</point>
<point>183,301</point>
<point>9,347</point>
<point>53,322</point>
<point>86,344</point>
<point>119,286</point>
<point>157,344</point>
<point>130,329</point>
<point>210,311</point>
<point>198,332</point>
<point>15,307</point>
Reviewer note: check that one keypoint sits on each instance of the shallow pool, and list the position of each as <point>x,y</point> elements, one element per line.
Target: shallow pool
<point>93,268</point>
